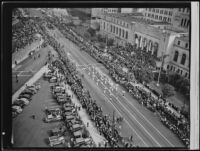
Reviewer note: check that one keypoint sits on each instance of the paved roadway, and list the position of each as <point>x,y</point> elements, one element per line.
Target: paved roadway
<point>143,123</point>
<point>139,121</point>
<point>27,68</point>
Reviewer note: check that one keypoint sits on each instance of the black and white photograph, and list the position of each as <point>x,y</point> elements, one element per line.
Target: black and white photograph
<point>103,77</point>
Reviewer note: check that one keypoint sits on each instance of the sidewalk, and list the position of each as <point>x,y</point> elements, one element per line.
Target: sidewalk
<point>97,138</point>
<point>31,81</point>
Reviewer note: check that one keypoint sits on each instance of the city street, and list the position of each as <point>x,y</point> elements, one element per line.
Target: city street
<point>144,125</point>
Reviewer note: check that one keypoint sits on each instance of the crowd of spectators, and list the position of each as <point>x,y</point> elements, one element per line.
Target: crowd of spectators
<point>104,125</point>
<point>23,33</point>
<point>141,64</point>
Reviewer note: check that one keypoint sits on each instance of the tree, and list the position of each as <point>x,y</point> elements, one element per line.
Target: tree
<point>87,35</point>
<point>91,31</point>
<point>110,42</point>
<point>168,90</point>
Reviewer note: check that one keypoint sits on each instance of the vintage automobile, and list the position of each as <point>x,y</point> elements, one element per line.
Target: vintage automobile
<point>78,134</point>
<point>58,131</point>
<point>17,109</point>
<point>28,91</point>
<point>27,96</point>
<point>53,115</point>
<point>79,141</point>
<point>76,127</point>
<point>56,140</point>
<point>24,100</point>
<point>19,103</point>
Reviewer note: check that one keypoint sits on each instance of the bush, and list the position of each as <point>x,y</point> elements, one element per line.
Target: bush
<point>168,90</point>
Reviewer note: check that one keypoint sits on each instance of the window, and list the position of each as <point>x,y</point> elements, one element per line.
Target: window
<point>157,11</point>
<point>178,70</point>
<point>166,12</point>
<point>148,15</point>
<point>160,17</point>
<point>156,17</point>
<point>178,42</point>
<point>161,11</point>
<point>149,9</point>
<point>123,33</point>
<point>167,66</point>
<point>153,10</point>
<point>186,74</point>
<point>188,23</point>
<point>186,45</point>
<point>176,56</point>
<point>183,59</point>
<point>104,25</point>
<point>171,68</point>
<point>126,34</point>
<point>120,32</point>
<point>152,16</point>
<point>111,28</point>
<point>169,20</point>
<point>114,29</point>
<point>179,9</point>
<point>117,30</point>
<point>127,25</point>
<point>181,72</point>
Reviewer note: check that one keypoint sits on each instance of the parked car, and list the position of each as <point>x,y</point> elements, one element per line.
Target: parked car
<point>26,101</point>
<point>56,140</point>
<point>14,114</point>
<point>32,89</point>
<point>27,91</point>
<point>16,108</point>
<point>79,141</point>
<point>19,103</point>
<point>27,96</point>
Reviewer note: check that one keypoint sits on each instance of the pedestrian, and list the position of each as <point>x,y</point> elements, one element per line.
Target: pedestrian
<point>87,124</point>
<point>17,80</point>
<point>15,62</point>
<point>33,116</point>
<point>38,55</point>
<point>131,138</point>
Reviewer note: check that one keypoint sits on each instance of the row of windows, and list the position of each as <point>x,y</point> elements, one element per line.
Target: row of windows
<point>118,31</point>
<point>159,17</point>
<point>165,12</point>
<point>179,71</point>
<point>179,43</point>
<point>185,23</point>
<point>183,59</point>
<point>119,22</point>
<point>184,9</point>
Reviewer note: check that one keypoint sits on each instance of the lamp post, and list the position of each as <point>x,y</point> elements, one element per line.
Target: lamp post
<point>164,32</point>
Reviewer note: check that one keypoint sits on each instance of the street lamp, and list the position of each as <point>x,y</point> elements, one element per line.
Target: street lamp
<point>164,32</point>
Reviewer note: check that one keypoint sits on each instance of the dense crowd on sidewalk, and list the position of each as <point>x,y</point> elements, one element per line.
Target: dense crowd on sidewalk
<point>139,64</point>
<point>136,61</point>
<point>102,122</point>
<point>23,33</point>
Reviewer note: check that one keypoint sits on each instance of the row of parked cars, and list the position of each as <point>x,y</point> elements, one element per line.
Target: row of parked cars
<point>66,113</point>
<point>24,99</point>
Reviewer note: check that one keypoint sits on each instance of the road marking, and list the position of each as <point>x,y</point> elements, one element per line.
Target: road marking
<point>136,120</point>
<point>125,119</point>
<point>147,120</point>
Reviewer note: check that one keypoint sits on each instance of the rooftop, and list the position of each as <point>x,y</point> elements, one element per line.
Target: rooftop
<point>184,38</point>
<point>135,17</point>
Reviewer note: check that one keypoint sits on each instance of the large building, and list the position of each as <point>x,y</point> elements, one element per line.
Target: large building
<point>178,18</point>
<point>180,57</point>
<point>151,36</point>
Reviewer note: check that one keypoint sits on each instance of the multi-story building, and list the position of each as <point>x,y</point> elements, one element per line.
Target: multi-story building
<point>180,57</point>
<point>151,36</point>
<point>178,17</point>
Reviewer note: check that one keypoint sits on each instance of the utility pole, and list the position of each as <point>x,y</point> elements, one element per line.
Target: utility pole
<point>162,58</point>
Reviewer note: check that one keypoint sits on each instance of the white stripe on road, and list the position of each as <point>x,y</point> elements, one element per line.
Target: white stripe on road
<point>135,119</point>
<point>126,121</point>
<point>147,120</point>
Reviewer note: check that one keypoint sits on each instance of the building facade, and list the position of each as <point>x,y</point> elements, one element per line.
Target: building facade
<point>180,57</point>
<point>179,18</point>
